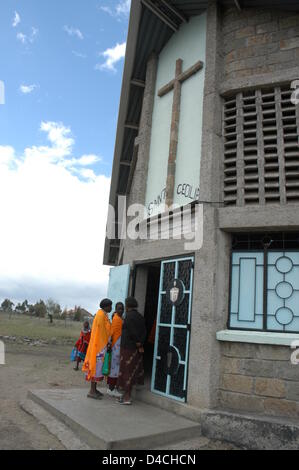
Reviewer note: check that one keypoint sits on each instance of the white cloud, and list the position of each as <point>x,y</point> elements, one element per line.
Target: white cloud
<point>112,56</point>
<point>71,31</point>
<point>60,137</point>
<point>123,7</point>
<point>87,160</point>
<point>107,9</point>
<point>16,20</point>
<point>27,89</point>
<point>54,219</point>
<point>22,37</point>
<point>79,54</point>
<point>88,174</point>
<point>7,155</point>
<point>61,145</point>
<point>25,39</point>
<point>75,164</point>
<point>34,33</point>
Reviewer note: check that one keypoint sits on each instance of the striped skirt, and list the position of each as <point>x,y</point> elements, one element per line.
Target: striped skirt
<point>131,370</point>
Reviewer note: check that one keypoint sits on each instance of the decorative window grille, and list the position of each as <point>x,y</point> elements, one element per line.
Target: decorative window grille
<point>261,147</point>
<point>264,291</point>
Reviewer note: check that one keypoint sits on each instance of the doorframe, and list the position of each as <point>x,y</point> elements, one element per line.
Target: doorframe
<point>156,392</point>
<point>137,263</point>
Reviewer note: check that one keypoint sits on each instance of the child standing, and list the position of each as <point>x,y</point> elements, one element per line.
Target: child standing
<point>82,344</point>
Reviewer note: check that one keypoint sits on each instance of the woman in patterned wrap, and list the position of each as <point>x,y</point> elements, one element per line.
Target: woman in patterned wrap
<point>98,346</point>
<point>116,330</point>
<point>131,356</point>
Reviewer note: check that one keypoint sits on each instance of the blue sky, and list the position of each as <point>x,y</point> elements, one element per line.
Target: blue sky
<point>62,68</point>
<point>61,63</point>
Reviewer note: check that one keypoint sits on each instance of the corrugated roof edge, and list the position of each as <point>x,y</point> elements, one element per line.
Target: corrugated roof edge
<point>135,15</point>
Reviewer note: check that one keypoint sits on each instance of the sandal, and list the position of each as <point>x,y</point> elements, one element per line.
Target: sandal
<point>122,402</point>
<point>95,397</point>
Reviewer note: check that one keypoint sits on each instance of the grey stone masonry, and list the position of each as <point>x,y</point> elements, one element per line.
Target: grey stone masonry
<point>259,41</point>
<point>259,379</point>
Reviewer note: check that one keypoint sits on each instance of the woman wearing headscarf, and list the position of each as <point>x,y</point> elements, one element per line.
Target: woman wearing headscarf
<point>98,346</point>
<point>131,361</point>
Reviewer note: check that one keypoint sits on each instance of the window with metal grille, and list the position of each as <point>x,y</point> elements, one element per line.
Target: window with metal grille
<point>261,147</point>
<point>264,283</point>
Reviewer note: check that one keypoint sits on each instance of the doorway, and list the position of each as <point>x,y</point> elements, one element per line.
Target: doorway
<point>147,294</point>
<point>150,315</point>
<point>163,290</point>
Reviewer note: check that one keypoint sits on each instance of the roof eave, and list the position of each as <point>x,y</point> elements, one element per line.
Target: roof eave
<point>134,21</point>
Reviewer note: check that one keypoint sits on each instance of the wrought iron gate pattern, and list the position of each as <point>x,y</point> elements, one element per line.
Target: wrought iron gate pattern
<point>170,368</point>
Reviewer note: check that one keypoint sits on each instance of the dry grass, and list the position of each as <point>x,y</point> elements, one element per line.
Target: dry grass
<point>37,328</point>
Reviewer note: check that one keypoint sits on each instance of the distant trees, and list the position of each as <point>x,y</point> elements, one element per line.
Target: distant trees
<point>78,314</point>
<point>43,309</point>
<point>25,306</point>
<point>31,310</point>
<point>7,305</point>
<point>19,308</point>
<point>40,309</point>
<point>53,310</point>
<point>64,314</point>
<point>22,308</point>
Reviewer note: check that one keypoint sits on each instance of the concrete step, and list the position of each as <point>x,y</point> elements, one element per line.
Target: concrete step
<point>62,432</point>
<point>81,423</point>
<point>104,424</point>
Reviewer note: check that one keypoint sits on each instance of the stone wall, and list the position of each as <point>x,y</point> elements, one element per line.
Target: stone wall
<point>259,379</point>
<point>259,41</point>
<point>259,47</point>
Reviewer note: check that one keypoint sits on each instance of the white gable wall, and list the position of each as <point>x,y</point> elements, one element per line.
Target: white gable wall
<point>188,44</point>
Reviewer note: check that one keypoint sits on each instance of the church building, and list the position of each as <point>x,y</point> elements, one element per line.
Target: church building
<point>209,126</point>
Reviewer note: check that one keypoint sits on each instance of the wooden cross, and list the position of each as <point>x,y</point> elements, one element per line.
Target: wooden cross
<point>176,86</point>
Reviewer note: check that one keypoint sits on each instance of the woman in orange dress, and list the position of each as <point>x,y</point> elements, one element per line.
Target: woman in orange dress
<point>98,346</point>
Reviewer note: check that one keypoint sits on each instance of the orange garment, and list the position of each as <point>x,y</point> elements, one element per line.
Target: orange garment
<point>152,335</point>
<point>116,328</point>
<point>100,335</point>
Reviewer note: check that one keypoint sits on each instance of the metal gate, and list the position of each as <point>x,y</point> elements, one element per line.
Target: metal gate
<point>170,367</point>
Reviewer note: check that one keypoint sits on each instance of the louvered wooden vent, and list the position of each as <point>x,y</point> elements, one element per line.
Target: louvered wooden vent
<point>261,147</point>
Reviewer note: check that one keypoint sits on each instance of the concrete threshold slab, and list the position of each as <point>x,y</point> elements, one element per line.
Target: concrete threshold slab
<point>106,425</point>
<point>173,406</point>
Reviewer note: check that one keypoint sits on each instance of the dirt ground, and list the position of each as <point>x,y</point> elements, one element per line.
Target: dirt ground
<point>29,367</point>
<point>37,367</point>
